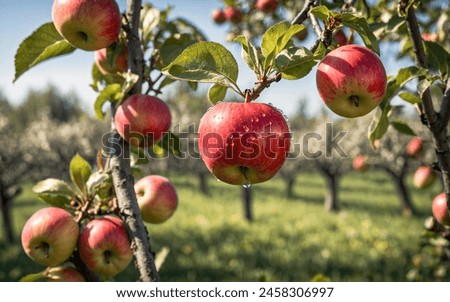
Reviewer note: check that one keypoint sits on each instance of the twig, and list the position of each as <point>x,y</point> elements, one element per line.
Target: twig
<point>445,105</point>
<point>301,17</point>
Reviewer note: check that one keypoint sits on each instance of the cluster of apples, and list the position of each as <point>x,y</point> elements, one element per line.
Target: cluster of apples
<point>235,15</point>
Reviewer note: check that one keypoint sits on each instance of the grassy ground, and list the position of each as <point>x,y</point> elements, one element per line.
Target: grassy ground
<point>290,239</point>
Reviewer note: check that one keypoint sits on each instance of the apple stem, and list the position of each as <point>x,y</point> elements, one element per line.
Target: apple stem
<point>355,100</point>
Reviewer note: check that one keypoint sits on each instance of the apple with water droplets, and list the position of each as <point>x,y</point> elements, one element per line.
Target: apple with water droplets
<point>157,198</point>
<point>50,236</point>
<point>351,80</point>
<point>243,143</point>
<point>86,24</point>
<point>104,246</point>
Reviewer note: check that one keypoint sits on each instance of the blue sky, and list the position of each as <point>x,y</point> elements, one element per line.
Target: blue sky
<point>18,19</point>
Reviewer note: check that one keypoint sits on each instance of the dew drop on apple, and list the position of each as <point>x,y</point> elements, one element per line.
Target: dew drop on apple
<point>247,185</point>
<point>263,114</point>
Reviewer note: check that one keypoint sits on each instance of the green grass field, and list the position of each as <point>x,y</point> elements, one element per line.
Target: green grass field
<point>290,239</point>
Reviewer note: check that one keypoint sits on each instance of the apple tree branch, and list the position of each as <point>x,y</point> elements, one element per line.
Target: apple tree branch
<point>436,121</point>
<point>120,162</point>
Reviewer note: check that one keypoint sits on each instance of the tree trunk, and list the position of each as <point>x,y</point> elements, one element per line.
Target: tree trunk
<point>406,205</point>
<point>203,182</point>
<point>290,182</point>
<point>5,204</point>
<point>247,199</point>
<point>331,198</point>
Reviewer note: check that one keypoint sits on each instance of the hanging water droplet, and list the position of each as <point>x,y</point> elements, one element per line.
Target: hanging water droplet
<point>218,180</point>
<point>247,185</point>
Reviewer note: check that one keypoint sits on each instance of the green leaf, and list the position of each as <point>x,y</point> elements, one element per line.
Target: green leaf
<point>321,12</point>
<point>100,183</point>
<point>55,192</point>
<point>112,93</point>
<point>423,86</point>
<point>171,143</point>
<point>379,124</point>
<point>216,93</point>
<point>161,256</point>
<point>250,54</point>
<point>403,128</point>
<point>97,77</point>
<point>360,25</point>
<point>41,45</point>
<point>294,62</point>
<point>438,58</point>
<point>174,46</point>
<point>32,277</point>
<point>130,80</point>
<point>403,76</point>
<point>80,171</point>
<point>150,18</point>
<point>277,38</point>
<point>410,98</point>
<point>205,62</point>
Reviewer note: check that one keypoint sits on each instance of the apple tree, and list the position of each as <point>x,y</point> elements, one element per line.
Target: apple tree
<point>241,143</point>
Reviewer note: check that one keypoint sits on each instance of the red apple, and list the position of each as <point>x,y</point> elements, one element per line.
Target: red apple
<point>156,197</point>
<point>351,80</point>
<point>440,209</point>
<point>341,38</point>
<point>218,16</point>
<point>423,177</point>
<point>87,24</point>
<point>64,274</point>
<point>233,15</point>
<point>120,64</point>
<point>415,147</point>
<point>243,143</point>
<point>360,163</point>
<point>267,6</point>
<point>142,120</point>
<point>104,246</point>
<point>50,236</point>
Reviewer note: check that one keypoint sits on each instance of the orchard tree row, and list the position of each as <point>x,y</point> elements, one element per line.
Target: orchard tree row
<point>143,50</point>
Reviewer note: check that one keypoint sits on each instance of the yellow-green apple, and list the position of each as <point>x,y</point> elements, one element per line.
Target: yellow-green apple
<point>440,209</point>
<point>120,64</point>
<point>423,177</point>
<point>157,198</point>
<point>414,148</point>
<point>351,80</point>
<point>104,246</point>
<point>233,14</point>
<point>87,24</point>
<point>142,120</point>
<point>64,274</point>
<point>360,163</point>
<point>243,143</point>
<point>267,6</point>
<point>50,236</point>
<point>218,16</point>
